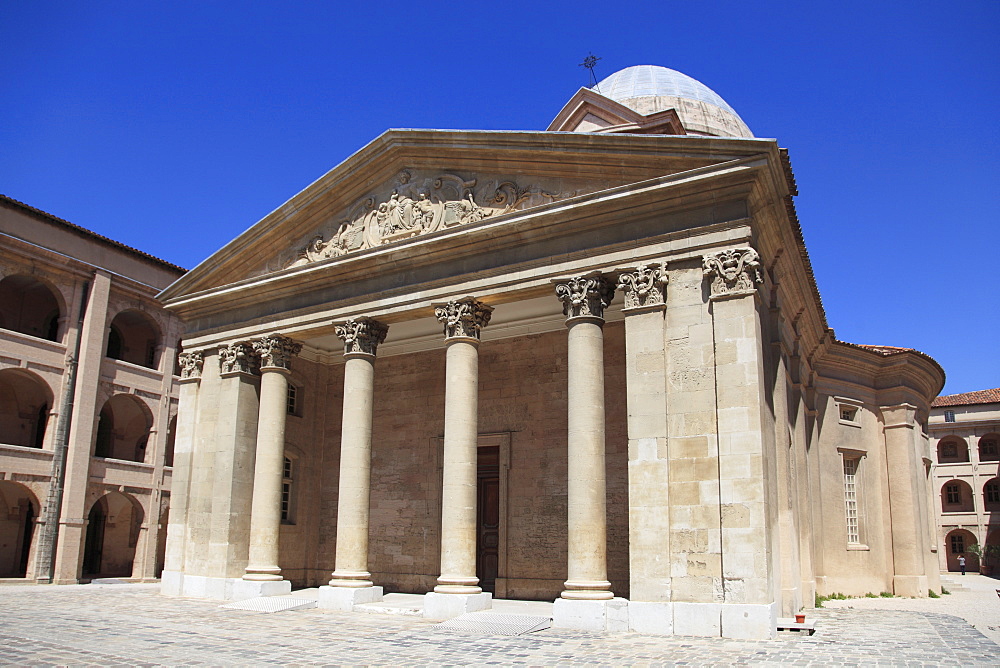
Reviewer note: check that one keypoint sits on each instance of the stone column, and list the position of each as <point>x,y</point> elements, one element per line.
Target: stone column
<point>584,299</point>
<point>648,461</point>
<point>906,487</point>
<point>263,574</point>
<point>747,468</point>
<point>458,591</point>
<point>351,582</point>
<point>187,418</point>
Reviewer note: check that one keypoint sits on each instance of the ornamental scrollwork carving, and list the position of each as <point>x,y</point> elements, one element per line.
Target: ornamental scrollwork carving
<point>464,318</point>
<point>191,364</point>
<point>733,271</point>
<point>644,287</point>
<point>418,205</point>
<point>276,351</point>
<point>585,296</point>
<point>362,335</point>
<point>239,357</point>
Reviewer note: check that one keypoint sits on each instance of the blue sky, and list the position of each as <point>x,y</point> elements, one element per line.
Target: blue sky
<point>172,127</point>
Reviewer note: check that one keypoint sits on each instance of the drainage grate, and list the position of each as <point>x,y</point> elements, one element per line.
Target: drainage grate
<point>271,604</point>
<point>493,623</point>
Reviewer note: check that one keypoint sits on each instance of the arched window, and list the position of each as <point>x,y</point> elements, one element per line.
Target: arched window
<point>956,497</point>
<point>957,543</point>
<point>28,306</point>
<point>989,448</point>
<point>952,450</point>
<point>991,495</point>
<point>134,338</point>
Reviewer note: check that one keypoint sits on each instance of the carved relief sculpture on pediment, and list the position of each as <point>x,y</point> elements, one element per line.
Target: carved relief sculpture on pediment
<point>419,205</point>
<point>239,357</point>
<point>191,364</point>
<point>736,271</point>
<point>645,287</point>
<point>362,336</point>
<point>585,296</point>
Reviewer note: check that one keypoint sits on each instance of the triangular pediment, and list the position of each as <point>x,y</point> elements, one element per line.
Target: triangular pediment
<point>410,184</point>
<point>589,111</point>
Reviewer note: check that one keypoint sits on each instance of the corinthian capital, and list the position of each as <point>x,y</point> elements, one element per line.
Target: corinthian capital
<point>464,318</point>
<point>276,350</point>
<point>644,287</point>
<point>361,336</point>
<point>190,364</point>
<point>585,296</point>
<point>733,272</point>
<point>238,357</point>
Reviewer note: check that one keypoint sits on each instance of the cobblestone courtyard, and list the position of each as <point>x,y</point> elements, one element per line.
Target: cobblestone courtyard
<point>133,625</point>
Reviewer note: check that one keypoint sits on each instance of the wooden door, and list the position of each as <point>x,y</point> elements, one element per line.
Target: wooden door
<point>488,518</point>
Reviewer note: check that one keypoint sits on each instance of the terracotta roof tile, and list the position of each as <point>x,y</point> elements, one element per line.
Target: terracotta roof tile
<point>969,398</point>
<point>38,213</point>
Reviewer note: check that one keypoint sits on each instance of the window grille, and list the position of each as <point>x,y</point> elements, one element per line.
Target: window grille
<point>292,407</point>
<point>988,451</point>
<point>851,500</point>
<point>953,494</point>
<point>286,490</point>
<point>949,416</point>
<point>957,544</point>
<point>992,492</point>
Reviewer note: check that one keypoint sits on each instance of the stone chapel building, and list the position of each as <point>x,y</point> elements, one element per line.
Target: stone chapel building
<point>587,364</point>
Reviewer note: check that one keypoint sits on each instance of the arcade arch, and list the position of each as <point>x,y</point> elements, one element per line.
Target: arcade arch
<point>952,450</point>
<point>956,497</point>
<point>25,402</point>
<point>989,448</point>
<point>113,525</point>
<point>134,338</point>
<point>18,512</point>
<point>123,429</point>
<point>991,495</point>
<point>29,306</point>
<point>957,544</point>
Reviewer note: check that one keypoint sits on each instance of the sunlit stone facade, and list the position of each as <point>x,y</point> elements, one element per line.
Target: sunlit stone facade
<point>587,365</point>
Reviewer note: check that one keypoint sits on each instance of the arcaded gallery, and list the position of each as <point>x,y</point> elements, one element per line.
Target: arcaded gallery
<point>588,365</point>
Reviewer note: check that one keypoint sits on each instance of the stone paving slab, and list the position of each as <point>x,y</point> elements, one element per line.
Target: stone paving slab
<point>135,626</point>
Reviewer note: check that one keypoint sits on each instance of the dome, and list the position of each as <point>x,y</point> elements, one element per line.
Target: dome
<point>648,89</point>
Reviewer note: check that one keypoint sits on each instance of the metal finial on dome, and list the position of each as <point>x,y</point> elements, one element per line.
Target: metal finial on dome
<point>590,62</point>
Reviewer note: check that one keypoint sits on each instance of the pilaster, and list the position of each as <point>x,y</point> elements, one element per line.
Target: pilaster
<point>646,396</point>
<point>906,490</point>
<point>235,445</point>
<point>184,439</point>
<point>746,449</point>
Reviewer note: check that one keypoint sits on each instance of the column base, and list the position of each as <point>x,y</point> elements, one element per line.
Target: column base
<point>440,607</point>
<point>244,589</point>
<point>589,615</point>
<point>345,598</point>
<point>172,583</point>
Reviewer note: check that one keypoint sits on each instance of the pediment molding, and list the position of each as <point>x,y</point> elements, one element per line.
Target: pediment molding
<point>588,111</point>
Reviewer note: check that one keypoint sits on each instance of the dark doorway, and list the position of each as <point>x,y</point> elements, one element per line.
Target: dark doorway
<point>488,518</point>
<point>95,539</point>
<point>26,533</point>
